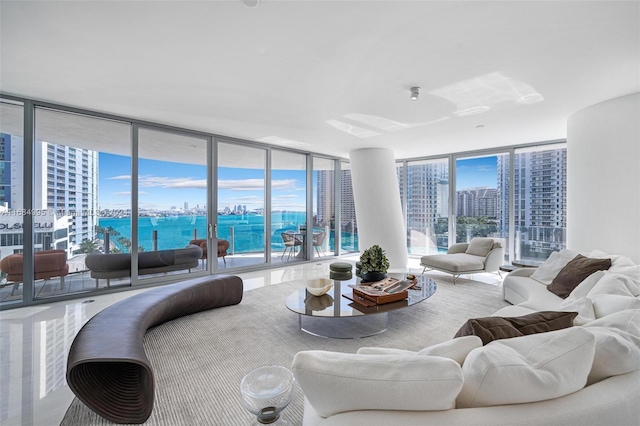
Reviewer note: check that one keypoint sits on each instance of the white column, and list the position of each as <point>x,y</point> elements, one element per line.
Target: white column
<point>378,208</point>
<point>603,177</point>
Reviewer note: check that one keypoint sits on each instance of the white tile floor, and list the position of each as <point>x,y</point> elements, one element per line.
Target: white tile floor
<point>35,341</point>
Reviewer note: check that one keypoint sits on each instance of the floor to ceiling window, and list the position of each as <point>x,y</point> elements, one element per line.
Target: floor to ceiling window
<point>11,196</point>
<point>288,205</point>
<point>540,202</point>
<point>324,202</point>
<point>172,201</point>
<point>427,206</point>
<point>67,177</point>
<point>348,221</point>
<point>241,201</point>
<point>481,195</point>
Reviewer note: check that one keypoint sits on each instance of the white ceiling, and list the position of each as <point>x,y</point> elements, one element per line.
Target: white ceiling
<point>329,76</point>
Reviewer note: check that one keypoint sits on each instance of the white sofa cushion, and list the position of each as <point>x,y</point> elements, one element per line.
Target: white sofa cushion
<point>627,321</point>
<point>617,352</point>
<point>583,289</point>
<point>584,308</point>
<point>613,283</point>
<point>337,382</point>
<point>619,263</point>
<point>550,268</point>
<point>372,350</point>
<point>455,349</point>
<point>512,311</point>
<point>607,304</point>
<point>457,262</point>
<point>527,369</point>
<point>480,246</point>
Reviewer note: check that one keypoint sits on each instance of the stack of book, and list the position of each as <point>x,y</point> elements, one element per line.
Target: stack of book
<point>380,292</point>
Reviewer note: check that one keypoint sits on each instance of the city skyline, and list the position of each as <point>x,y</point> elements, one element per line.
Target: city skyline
<point>236,186</point>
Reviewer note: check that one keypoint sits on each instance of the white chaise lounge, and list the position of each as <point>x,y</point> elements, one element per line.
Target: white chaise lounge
<point>480,255</point>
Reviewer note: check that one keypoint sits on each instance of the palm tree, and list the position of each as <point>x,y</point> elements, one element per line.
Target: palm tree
<point>100,230</point>
<point>112,231</point>
<point>88,246</point>
<point>126,243</point>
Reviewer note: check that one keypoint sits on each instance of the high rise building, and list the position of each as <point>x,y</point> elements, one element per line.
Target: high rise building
<point>540,202</point>
<point>347,203</point>
<point>70,176</point>
<point>325,202</point>
<point>427,205</point>
<point>65,195</point>
<point>476,202</point>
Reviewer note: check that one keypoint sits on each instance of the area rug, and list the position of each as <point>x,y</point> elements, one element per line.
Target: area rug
<point>200,360</point>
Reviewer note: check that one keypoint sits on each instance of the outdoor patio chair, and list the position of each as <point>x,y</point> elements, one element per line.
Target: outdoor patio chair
<point>290,243</point>
<point>318,240</point>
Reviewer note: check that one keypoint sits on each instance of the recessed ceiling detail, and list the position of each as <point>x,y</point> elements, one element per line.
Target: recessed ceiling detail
<point>477,95</point>
<point>326,76</point>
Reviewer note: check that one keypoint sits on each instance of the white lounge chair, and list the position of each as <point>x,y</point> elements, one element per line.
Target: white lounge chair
<point>480,255</point>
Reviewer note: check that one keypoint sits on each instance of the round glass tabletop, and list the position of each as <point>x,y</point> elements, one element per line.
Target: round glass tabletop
<point>334,303</point>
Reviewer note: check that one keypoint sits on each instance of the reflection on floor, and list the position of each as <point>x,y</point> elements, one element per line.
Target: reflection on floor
<point>35,341</point>
<point>81,281</point>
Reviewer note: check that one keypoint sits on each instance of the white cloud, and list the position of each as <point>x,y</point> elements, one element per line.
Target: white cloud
<point>167,182</point>
<point>129,193</point>
<point>150,181</point>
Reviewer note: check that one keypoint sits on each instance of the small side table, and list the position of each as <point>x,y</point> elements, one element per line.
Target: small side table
<point>523,263</point>
<point>520,263</point>
<point>507,268</point>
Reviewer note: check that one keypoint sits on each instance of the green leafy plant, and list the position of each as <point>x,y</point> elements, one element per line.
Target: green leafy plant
<point>373,259</point>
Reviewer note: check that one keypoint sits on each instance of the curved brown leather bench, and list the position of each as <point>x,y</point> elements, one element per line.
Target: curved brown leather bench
<point>108,369</point>
<point>118,265</point>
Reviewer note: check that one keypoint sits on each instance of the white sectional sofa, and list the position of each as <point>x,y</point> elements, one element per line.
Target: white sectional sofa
<point>587,374</point>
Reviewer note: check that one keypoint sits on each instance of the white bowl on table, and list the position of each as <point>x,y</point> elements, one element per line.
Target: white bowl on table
<point>319,286</point>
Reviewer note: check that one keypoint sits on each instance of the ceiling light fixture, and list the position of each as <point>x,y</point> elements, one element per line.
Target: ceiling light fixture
<point>415,91</point>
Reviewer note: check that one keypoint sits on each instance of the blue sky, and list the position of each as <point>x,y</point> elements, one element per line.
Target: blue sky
<point>162,185</point>
<point>475,172</point>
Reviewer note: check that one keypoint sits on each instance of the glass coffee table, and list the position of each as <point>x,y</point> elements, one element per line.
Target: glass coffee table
<point>334,316</point>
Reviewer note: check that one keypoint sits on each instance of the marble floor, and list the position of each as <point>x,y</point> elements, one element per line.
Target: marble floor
<point>79,279</point>
<point>35,341</point>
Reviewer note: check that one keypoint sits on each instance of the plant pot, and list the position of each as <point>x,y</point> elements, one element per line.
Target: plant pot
<point>373,276</point>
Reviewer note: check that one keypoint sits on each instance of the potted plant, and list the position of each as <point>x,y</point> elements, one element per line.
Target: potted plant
<point>373,264</point>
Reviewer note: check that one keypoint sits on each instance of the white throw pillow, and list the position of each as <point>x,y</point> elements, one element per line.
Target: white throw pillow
<point>619,284</point>
<point>619,264</point>
<point>546,272</point>
<point>456,349</point>
<point>583,289</point>
<point>336,382</point>
<point>584,308</point>
<point>628,321</point>
<point>607,304</point>
<point>527,369</point>
<point>617,352</point>
<point>372,350</point>
<point>480,246</point>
